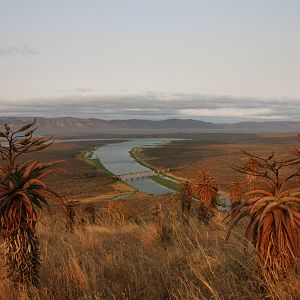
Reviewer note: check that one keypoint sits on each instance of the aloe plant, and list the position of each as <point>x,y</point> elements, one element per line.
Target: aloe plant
<point>186,196</point>
<point>22,193</point>
<point>206,188</point>
<point>273,211</point>
<point>236,193</point>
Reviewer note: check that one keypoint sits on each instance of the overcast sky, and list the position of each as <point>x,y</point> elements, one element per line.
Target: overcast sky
<point>213,60</point>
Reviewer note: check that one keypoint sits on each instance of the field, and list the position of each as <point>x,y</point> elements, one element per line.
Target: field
<point>216,152</point>
<point>80,178</point>
<point>138,247</point>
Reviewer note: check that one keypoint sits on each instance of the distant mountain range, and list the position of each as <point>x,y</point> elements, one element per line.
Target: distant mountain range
<point>70,124</point>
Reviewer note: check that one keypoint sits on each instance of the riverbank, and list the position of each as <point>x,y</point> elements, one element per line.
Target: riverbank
<point>174,183</point>
<point>119,189</point>
<point>163,181</point>
<point>76,178</point>
<point>87,156</point>
<point>117,159</point>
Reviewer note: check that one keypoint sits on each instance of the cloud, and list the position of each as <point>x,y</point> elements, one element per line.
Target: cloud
<point>14,50</point>
<point>156,106</point>
<point>84,90</point>
<point>221,112</point>
<point>78,90</point>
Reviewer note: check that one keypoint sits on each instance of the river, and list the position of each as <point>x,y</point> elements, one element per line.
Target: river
<point>116,158</point>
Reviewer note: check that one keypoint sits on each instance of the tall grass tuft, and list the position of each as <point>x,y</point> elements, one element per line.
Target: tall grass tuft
<point>90,211</point>
<point>69,210</point>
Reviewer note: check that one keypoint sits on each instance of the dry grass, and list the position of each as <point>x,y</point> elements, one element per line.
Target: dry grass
<point>131,253</point>
<point>135,261</point>
<point>216,152</point>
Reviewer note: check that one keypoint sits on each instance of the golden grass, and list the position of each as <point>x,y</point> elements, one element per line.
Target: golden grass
<point>133,261</point>
<point>117,189</point>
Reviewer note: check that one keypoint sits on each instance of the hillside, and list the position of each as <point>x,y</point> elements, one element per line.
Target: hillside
<point>135,125</point>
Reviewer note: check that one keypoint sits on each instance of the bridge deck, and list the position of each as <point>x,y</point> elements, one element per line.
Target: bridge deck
<point>137,175</point>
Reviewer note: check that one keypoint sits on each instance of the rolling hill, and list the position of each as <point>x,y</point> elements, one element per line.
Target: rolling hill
<point>65,124</point>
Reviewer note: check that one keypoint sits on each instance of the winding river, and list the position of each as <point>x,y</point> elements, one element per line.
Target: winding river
<point>116,158</point>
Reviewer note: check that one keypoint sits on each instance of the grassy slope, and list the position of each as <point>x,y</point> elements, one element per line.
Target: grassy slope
<point>95,162</point>
<point>167,183</point>
<point>118,259</point>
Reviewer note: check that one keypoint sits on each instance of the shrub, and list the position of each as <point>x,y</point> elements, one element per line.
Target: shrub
<point>69,210</point>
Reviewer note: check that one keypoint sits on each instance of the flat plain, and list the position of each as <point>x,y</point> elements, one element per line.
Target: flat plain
<point>217,152</point>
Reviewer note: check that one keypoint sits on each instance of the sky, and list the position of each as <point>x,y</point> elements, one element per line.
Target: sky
<point>215,60</point>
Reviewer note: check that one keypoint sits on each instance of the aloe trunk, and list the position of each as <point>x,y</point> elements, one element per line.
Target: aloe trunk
<point>23,256</point>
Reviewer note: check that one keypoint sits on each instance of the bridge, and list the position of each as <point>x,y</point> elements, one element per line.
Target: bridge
<point>137,175</point>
